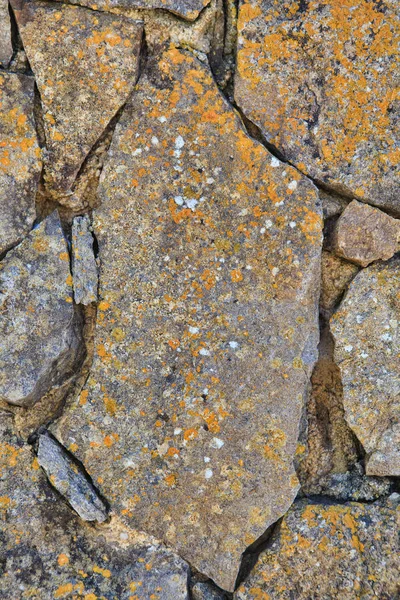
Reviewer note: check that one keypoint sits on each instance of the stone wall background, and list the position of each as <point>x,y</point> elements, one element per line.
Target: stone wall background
<point>199,299</point>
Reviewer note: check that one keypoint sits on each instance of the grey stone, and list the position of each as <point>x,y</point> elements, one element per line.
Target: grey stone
<point>20,164</point>
<point>206,591</point>
<point>367,350</point>
<point>67,477</point>
<point>188,9</point>
<point>47,552</point>
<point>364,234</point>
<point>207,325</point>
<point>6,49</point>
<point>84,266</point>
<point>39,327</point>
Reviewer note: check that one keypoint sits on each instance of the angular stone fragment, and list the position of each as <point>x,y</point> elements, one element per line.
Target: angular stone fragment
<point>19,158</point>
<point>321,81</point>
<point>188,9</point>
<point>336,276</point>
<point>345,551</point>
<point>66,476</point>
<point>364,234</point>
<point>47,552</point>
<point>206,591</point>
<point>207,328</point>
<point>6,49</point>
<point>367,337</point>
<point>39,328</point>
<point>84,267</point>
<point>85,65</point>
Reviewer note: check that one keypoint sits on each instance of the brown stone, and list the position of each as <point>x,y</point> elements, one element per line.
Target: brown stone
<point>336,277</point>
<point>20,164</point>
<point>364,234</point>
<point>208,323</point>
<point>85,64</point>
<point>321,81</point>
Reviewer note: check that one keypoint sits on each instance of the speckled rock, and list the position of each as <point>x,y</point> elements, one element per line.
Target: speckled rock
<point>6,49</point>
<point>68,479</point>
<point>364,234</point>
<point>367,350</point>
<point>321,81</point>
<point>86,65</point>
<point>188,9</point>
<point>83,264</point>
<point>39,328</point>
<point>206,591</point>
<point>336,277</point>
<point>207,326</point>
<point>19,158</point>
<point>347,551</point>
<point>47,552</point>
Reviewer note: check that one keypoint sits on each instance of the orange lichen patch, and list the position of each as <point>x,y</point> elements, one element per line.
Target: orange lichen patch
<point>236,275</point>
<point>64,256</point>
<point>63,560</point>
<point>111,405</point>
<point>104,572</point>
<point>63,590</point>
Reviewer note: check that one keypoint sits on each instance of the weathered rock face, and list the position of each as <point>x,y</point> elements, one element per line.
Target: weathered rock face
<point>39,328</point>
<point>336,277</point>
<point>366,332</point>
<point>84,266</point>
<point>47,552</point>
<point>207,328</point>
<point>329,551</point>
<point>19,158</point>
<point>364,234</point>
<point>85,64</point>
<point>321,81</point>
<point>188,9</point>
<point>6,49</point>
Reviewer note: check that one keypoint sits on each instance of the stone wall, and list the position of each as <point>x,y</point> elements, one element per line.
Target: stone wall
<point>199,299</point>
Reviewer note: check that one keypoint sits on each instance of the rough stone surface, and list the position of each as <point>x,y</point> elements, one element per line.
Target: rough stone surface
<point>85,64</point>
<point>346,551</point>
<point>6,49</point>
<point>332,204</point>
<point>84,266</point>
<point>336,277</point>
<point>321,81</point>
<point>39,328</point>
<point>188,9</point>
<point>367,342</point>
<point>68,479</point>
<point>19,158</point>
<point>47,552</point>
<point>364,234</point>
<point>207,328</point>
<point>206,591</point>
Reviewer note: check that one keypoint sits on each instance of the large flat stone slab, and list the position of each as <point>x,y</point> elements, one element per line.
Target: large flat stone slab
<point>20,164</point>
<point>85,64</point>
<point>321,81</point>
<point>367,350</point>
<point>345,551</point>
<point>46,552</point>
<point>187,9</point>
<point>40,329</point>
<point>207,326</point>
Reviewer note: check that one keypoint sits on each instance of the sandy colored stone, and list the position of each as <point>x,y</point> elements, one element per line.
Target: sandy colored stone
<point>367,350</point>
<point>325,551</point>
<point>19,158</point>
<point>39,327</point>
<point>47,552</point>
<point>336,277</point>
<point>207,325</point>
<point>321,80</point>
<point>68,479</point>
<point>85,64</point>
<point>188,9</point>
<point>364,234</point>
<point>6,49</point>
<point>83,264</point>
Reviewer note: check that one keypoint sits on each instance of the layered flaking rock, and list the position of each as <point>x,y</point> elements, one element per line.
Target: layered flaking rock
<point>6,49</point>
<point>85,64</point>
<point>345,551</point>
<point>47,552</point>
<point>67,477</point>
<point>188,9</point>
<point>321,81</point>
<point>19,158</point>
<point>207,325</point>
<point>84,266</point>
<point>364,234</point>
<point>40,334</point>
<point>367,336</point>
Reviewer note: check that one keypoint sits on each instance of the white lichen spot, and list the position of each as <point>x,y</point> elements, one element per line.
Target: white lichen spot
<point>208,473</point>
<point>178,200</point>
<point>216,443</point>
<point>191,203</point>
<point>204,352</point>
<point>207,459</point>
<point>348,348</point>
<point>292,224</point>
<point>233,344</point>
<point>162,119</point>
<point>275,271</point>
<point>275,162</point>
<point>268,224</point>
<point>177,430</point>
<point>154,141</point>
<point>292,185</point>
<point>193,329</point>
